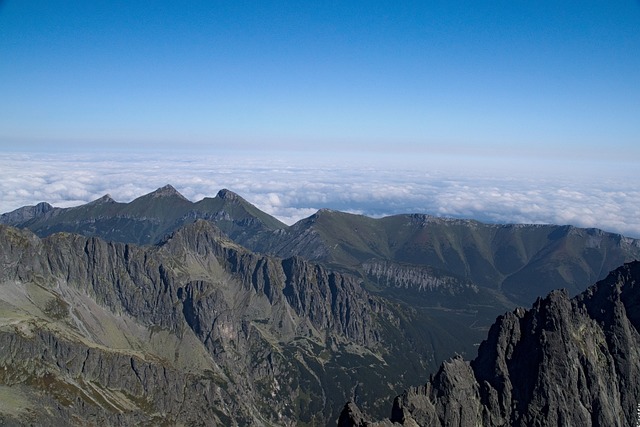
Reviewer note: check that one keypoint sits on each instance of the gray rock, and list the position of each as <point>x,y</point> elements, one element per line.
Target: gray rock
<point>564,362</point>
<point>196,330</point>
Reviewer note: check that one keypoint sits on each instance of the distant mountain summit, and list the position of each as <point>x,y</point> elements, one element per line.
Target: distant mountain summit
<point>26,213</point>
<point>167,191</point>
<point>103,200</point>
<point>147,219</point>
<point>225,194</point>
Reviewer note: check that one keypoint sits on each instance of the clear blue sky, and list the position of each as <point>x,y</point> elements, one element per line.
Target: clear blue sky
<point>521,77</point>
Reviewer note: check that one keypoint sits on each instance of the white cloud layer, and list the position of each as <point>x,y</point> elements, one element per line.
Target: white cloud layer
<point>291,189</point>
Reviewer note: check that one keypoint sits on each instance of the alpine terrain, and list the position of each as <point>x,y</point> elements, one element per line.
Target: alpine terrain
<point>165,311</point>
<point>564,362</point>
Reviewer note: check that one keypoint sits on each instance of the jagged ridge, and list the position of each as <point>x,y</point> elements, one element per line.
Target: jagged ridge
<point>240,337</point>
<point>563,362</point>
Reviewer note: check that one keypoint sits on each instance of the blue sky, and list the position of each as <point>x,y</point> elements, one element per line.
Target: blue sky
<point>513,77</point>
<point>504,111</point>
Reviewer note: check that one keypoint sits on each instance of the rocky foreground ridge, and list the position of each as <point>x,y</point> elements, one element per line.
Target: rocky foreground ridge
<point>564,362</point>
<point>194,331</point>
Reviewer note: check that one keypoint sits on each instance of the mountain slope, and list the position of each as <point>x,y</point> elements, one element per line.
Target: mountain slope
<point>520,261</point>
<point>194,330</point>
<point>456,275</point>
<point>462,272</point>
<point>515,263</point>
<point>563,362</point>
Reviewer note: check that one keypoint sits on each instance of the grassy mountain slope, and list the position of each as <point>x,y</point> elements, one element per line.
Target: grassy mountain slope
<point>520,261</point>
<point>147,219</point>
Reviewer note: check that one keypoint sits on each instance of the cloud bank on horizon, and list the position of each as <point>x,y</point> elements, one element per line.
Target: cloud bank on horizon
<point>294,190</point>
<point>421,104</point>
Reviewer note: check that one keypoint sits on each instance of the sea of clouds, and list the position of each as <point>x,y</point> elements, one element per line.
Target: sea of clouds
<point>292,188</point>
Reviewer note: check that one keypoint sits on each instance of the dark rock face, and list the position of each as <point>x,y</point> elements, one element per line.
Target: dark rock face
<point>196,330</point>
<point>564,362</point>
<point>351,416</point>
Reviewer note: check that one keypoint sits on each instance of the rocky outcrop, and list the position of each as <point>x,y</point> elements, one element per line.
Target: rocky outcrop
<point>195,330</point>
<point>414,277</point>
<point>351,416</point>
<point>564,362</point>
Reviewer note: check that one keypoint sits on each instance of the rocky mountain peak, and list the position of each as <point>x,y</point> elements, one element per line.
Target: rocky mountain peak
<point>323,214</point>
<point>43,207</point>
<point>192,236</point>
<point>103,200</point>
<point>167,191</point>
<point>26,213</point>
<point>229,195</point>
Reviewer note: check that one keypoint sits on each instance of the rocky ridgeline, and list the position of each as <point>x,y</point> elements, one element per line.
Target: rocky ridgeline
<point>196,330</point>
<point>329,300</point>
<point>147,219</point>
<point>564,362</point>
<point>413,277</point>
<point>268,340</point>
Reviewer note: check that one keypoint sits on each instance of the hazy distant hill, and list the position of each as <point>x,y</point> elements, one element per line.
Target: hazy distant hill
<point>564,362</point>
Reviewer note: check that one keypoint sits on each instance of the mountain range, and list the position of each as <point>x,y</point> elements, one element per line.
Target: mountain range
<point>217,311</point>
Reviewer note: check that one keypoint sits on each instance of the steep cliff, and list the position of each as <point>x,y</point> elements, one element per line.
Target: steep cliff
<point>195,330</point>
<point>564,362</point>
